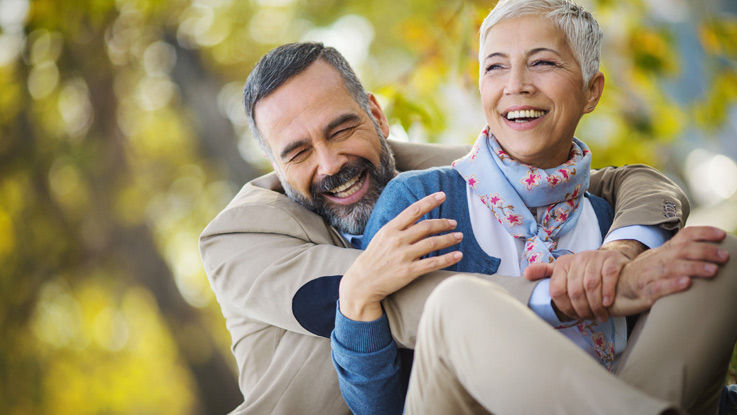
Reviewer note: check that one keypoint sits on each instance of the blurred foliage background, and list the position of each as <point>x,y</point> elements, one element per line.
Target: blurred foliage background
<point>122,134</point>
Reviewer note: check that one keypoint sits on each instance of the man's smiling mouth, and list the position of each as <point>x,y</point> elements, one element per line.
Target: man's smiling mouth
<point>348,188</point>
<point>524,115</point>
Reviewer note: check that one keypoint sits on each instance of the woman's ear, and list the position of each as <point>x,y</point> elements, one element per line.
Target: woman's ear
<point>594,89</point>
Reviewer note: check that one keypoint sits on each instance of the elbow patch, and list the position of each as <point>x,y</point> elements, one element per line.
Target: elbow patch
<point>314,305</point>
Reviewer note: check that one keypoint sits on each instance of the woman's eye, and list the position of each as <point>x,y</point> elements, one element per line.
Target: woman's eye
<point>493,66</point>
<point>543,63</point>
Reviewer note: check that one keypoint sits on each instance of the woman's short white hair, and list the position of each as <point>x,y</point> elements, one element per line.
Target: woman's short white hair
<point>581,29</point>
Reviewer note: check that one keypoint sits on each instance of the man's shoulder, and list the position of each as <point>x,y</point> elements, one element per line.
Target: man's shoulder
<point>261,207</point>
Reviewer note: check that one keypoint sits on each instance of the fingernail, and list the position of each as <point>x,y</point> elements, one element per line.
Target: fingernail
<point>458,235</point>
<point>723,255</point>
<point>452,222</point>
<point>606,300</point>
<point>439,196</point>
<point>457,255</point>
<point>710,268</point>
<point>683,281</point>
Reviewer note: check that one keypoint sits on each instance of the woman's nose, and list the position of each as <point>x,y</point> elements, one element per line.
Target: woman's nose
<point>518,82</point>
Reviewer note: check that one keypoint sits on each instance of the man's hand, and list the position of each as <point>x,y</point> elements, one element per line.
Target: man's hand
<point>582,286</point>
<point>392,258</point>
<point>666,270</point>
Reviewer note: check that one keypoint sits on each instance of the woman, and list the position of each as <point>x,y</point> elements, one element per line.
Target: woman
<point>520,196</point>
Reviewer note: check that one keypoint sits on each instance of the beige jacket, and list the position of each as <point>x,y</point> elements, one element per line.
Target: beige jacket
<point>263,247</point>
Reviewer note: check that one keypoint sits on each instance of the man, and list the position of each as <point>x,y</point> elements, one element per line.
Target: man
<point>276,253</point>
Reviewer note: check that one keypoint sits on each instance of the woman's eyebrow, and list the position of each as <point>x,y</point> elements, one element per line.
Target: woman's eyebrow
<point>539,50</point>
<point>496,55</point>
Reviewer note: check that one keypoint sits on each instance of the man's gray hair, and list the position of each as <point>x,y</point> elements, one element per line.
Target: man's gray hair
<point>581,29</point>
<point>281,64</point>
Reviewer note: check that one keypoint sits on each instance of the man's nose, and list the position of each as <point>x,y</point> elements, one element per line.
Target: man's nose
<point>518,82</point>
<point>330,161</point>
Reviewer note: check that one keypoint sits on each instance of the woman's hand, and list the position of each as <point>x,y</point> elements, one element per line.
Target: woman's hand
<point>582,285</point>
<point>393,258</point>
<point>641,281</point>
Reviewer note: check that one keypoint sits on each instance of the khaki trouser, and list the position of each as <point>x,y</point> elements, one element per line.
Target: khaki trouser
<point>479,351</point>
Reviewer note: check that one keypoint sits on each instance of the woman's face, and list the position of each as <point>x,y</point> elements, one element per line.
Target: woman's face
<point>532,90</point>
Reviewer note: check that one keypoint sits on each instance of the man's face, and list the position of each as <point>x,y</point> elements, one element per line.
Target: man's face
<point>330,155</point>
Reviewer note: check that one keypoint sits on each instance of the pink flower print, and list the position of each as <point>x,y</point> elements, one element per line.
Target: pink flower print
<point>531,180</point>
<point>495,200</point>
<point>502,155</point>
<point>514,219</point>
<point>529,247</point>
<point>564,173</point>
<point>576,192</point>
<point>474,151</point>
<point>598,340</point>
<point>453,164</point>
<point>472,181</point>
<point>533,258</point>
<point>561,214</point>
<point>553,180</point>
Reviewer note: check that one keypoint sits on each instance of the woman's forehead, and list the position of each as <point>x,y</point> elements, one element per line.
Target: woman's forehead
<point>529,32</point>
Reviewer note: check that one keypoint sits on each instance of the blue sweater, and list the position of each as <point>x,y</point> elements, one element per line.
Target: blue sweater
<point>372,371</point>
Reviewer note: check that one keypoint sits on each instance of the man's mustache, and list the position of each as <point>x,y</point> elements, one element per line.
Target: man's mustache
<point>346,173</point>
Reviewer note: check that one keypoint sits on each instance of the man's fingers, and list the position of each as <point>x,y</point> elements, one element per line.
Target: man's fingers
<point>415,211</point>
<point>661,288</point>
<point>684,268</point>
<point>425,265</point>
<point>577,294</point>
<point>609,277</point>
<point>428,227</point>
<point>702,251</point>
<point>434,243</point>
<point>538,271</point>
<point>699,233</point>
<point>559,294</point>
<point>592,284</point>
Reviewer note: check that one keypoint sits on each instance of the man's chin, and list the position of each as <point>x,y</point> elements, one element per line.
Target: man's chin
<point>350,219</point>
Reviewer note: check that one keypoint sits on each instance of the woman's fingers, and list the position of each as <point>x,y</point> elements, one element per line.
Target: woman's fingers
<point>434,243</point>
<point>415,211</point>
<point>425,265</point>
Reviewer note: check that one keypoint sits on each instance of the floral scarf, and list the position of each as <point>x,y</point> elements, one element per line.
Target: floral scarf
<point>508,188</point>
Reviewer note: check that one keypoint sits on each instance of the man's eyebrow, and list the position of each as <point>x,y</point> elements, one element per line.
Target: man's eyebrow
<point>340,120</point>
<point>291,146</point>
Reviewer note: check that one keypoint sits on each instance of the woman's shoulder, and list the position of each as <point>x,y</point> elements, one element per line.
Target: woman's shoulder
<point>428,180</point>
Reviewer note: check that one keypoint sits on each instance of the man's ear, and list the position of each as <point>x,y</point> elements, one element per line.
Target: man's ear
<point>594,89</point>
<point>378,114</point>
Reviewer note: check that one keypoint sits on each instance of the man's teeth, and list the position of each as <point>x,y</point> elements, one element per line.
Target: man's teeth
<point>346,189</point>
<point>527,114</point>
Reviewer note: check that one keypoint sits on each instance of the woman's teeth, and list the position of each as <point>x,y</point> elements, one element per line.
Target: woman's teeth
<point>524,115</point>
<point>346,189</point>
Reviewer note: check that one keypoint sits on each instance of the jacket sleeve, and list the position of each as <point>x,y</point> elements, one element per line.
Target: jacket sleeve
<point>258,257</point>
<point>641,196</point>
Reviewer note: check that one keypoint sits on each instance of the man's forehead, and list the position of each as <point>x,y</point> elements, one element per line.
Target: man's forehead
<point>307,99</point>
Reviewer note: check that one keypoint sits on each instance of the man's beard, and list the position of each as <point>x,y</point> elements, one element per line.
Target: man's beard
<point>348,218</point>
